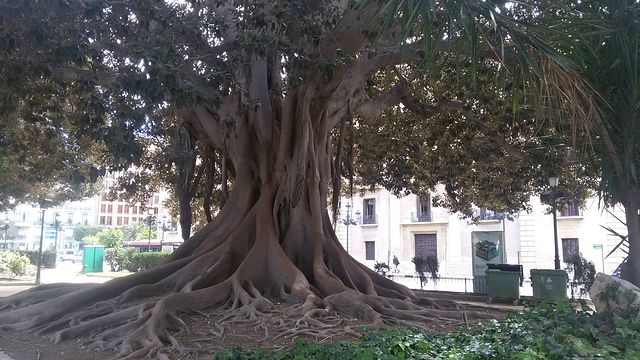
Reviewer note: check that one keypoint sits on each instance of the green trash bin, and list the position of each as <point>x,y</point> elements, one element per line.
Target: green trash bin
<point>92,258</point>
<point>549,285</point>
<point>503,282</point>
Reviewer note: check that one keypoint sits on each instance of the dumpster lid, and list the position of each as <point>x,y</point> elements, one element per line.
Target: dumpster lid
<point>508,267</point>
<point>548,272</point>
<point>505,267</point>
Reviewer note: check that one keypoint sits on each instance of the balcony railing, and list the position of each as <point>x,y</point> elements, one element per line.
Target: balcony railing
<point>369,219</point>
<point>421,217</point>
<point>485,214</point>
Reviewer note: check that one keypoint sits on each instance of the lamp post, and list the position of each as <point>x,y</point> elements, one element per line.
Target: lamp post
<point>150,218</point>
<point>349,221</point>
<point>6,228</point>
<point>164,221</point>
<point>553,183</point>
<point>39,261</point>
<point>56,223</point>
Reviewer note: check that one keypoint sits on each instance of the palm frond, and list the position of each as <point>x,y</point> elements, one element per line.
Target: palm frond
<point>623,244</point>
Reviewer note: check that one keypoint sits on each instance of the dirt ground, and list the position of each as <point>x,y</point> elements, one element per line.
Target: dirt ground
<point>206,335</point>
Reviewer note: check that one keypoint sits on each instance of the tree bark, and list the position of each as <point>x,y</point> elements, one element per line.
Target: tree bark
<point>631,271</point>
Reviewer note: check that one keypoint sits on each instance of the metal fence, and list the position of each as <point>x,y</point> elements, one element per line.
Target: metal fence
<point>463,285</point>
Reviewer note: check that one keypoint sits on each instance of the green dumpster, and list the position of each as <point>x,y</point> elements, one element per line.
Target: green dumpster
<point>503,282</point>
<point>549,285</point>
<point>92,258</point>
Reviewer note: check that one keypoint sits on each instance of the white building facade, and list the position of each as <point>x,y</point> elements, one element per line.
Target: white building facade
<point>388,226</point>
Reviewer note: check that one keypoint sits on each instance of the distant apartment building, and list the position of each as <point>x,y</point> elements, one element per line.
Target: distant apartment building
<point>118,212</point>
<point>25,225</point>
<point>25,221</point>
<point>382,226</point>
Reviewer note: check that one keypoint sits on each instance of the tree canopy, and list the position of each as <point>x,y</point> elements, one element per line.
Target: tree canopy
<point>275,97</point>
<point>602,40</point>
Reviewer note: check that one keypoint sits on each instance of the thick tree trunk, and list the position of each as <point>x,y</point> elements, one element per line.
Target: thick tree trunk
<point>631,272</point>
<point>272,241</point>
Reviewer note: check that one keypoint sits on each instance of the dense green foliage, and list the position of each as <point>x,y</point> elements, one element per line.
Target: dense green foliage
<point>118,256</point>
<point>583,275</point>
<point>121,258</point>
<point>427,264</point>
<point>141,261</point>
<point>540,333</point>
<point>80,232</point>
<point>108,237</point>
<point>13,264</point>
<point>48,257</point>
<point>602,38</point>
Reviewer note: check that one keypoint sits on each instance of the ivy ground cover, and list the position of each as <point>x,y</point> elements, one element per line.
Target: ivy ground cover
<point>542,332</point>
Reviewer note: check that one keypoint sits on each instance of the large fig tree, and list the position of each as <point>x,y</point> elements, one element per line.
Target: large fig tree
<point>273,88</point>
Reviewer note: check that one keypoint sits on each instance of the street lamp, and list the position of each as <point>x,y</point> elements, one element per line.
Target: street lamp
<point>39,261</point>
<point>164,222</point>
<point>6,227</point>
<point>553,183</point>
<point>56,223</point>
<point>349,221</point>
<point>150,218</point>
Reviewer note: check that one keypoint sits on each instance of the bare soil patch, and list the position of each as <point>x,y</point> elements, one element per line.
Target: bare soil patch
<point>212,332</point>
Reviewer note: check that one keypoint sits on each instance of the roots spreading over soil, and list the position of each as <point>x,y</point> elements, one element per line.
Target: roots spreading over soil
<point>243,271</point>
<point>272,242</point>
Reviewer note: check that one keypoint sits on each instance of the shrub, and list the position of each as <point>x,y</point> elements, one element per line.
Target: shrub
<point>141,261</point>
<point>427,264</point>
<point>14,264</point>
<point>584,274</point>
<point>118,256</point>
<point>31,255</point>
<point>48,257</point>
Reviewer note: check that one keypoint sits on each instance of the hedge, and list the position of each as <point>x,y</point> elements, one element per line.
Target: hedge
<point>14,264</point>
<point>48,257</point>
<point>142,261</point>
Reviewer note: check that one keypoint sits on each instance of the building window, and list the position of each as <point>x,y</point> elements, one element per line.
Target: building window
<point>426,245</point>
<point>103,220</point>
<point>369,211</point>
<point>85,219</point>
<point>570,248</point>
<point>135,210</point>
<point>110,209</point>
<point>119,209</point>
<point>126,209</point>
<point>119,220</point>
<point>571,208</point>
<point>156,200</point>
<point>486,214</point>
<point>103,208</point>
<point>423,209</point>
<point>109,220</point>
<point>70,218</point>
<point>370,250</point>
<point>126,221</point>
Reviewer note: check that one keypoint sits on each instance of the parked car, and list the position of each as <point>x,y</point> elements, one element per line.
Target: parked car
<point>69,255</point>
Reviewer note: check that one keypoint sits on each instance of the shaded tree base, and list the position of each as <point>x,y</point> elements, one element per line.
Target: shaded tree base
<point>214,331</point>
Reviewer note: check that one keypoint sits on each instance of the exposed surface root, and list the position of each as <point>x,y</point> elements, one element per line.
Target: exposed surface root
<point>276,288</point>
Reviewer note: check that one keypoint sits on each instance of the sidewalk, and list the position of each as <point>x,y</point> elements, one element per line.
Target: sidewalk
<point>65,272</point>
